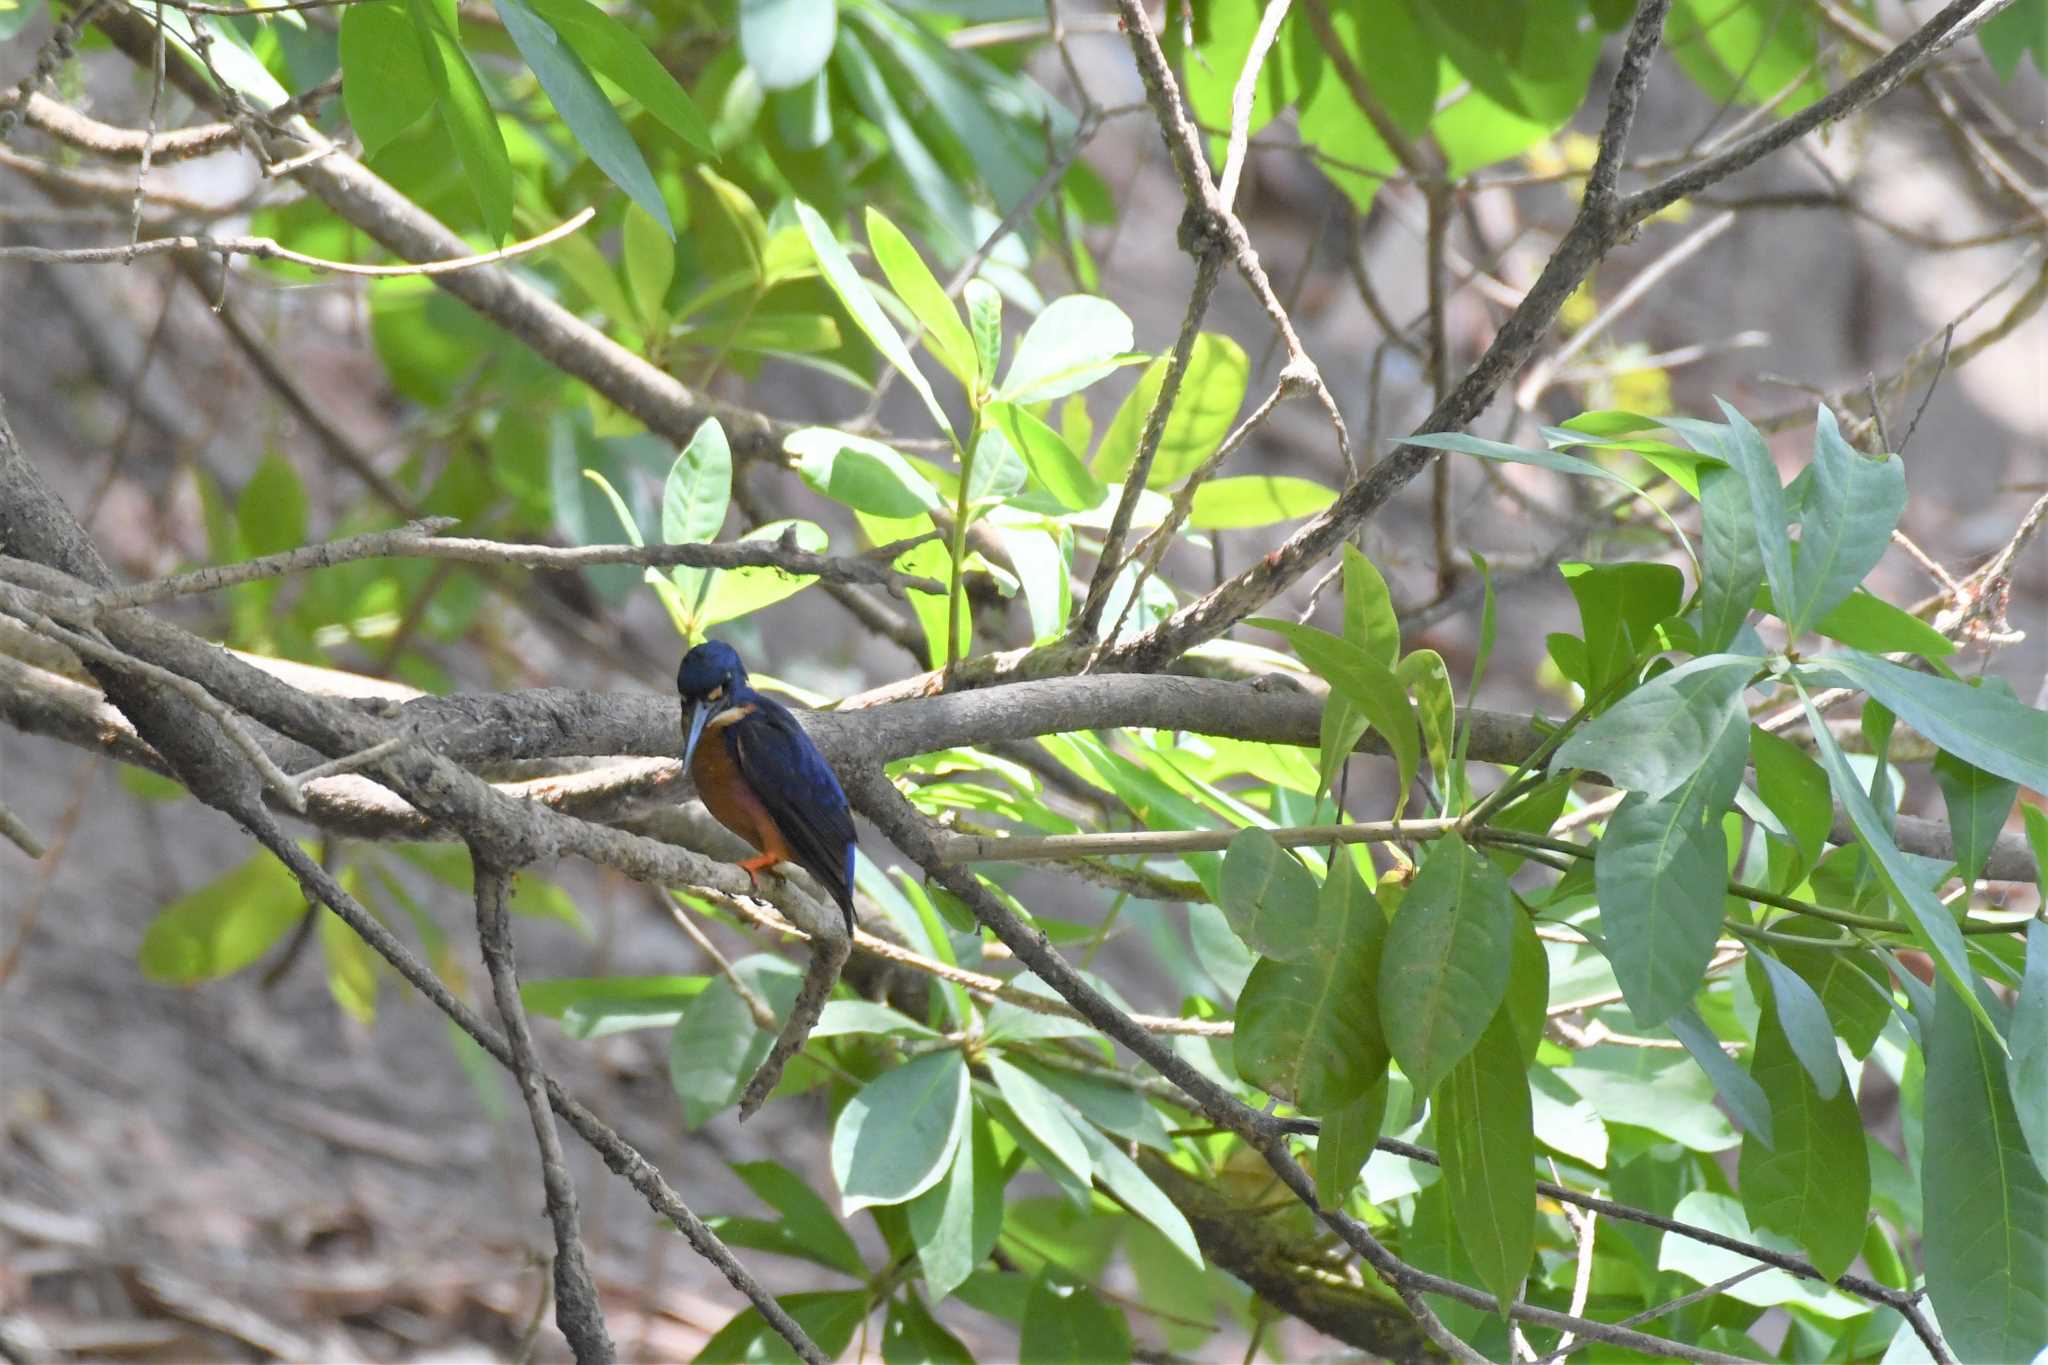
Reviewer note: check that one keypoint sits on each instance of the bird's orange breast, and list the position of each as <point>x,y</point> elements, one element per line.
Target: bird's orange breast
<point>725,791</point>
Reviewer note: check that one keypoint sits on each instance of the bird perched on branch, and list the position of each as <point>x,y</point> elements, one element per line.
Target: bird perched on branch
<point>758,772</point>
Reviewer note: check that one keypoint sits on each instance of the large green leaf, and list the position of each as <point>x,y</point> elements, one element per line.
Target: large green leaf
<point>1135,1190</point>
<point>1977,804</point>
<point>944,333</point>
<point>1268,896</point>
<point>1044,1114</point>
<point>1742,446</point>
<point>861,472</point>
<point>224,925</point>
<point>385,85</point>
<point>1075,341</point>
<point>1365,684</point>
<point>912,1336</point>
<point>1444,969</point>
<point>1621,607</point>
<point>1984,726</point>
<point>860,304</point>
<point>955,1223</point>
<point>1986,1234</point>
<point>1046,454</point>
<point>1211,392</point>
<point>716,1046</point>
<point>694,498</point>
<point>610,48</point>
<point>467,112</point>
<point>1369,619</point>
<point>1487,1144</point>
<point>786,42</point>
<point>2028,1069</point>
<point>732,593</point>
<point>1732,567</point>
<point>1345,1142</point>
<point>828,1319</point>
<point>1749,51</point>
<point>1250,500</point>
<point>1796,791</point>
<point>1654,739</point>
<point>1845,527</point>
<point>1744,1098</point>
<point>1812,1182</point>
<point>1804,1021</point>
<point>584,108</point>
<point>1309,1030</point>
<point>1068,1324</point>
<point>1660,874</point>
<point>1933,923</point>
<point>894,1139</point>
<point>806,1227</point>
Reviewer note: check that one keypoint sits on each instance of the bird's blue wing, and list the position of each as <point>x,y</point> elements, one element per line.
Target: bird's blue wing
<point>801,792</point>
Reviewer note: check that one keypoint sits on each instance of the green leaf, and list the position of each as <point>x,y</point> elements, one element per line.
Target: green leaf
<point>985,320</point>
<point>1621,607</point>
<point>1044,1114</point>
<point>648,250</point>
<point>944,332</point>
<point>1977,804</point>
<point>1804,1023</point>
<point>1123,1178</point>
<point>556,996</point>
<point>585,108</point>
<point>955,1223</point>
<point>1544,459</point>
<point>1732,566</point>
<point>1075,341</point>
<point>1933,923</point>
<point>2028,1068</point>
<point>385,84</point>
<point>1067,1324</point>
<point>1308,1030</point>
<point>1486,1141</point>
<point>351,967</point>
<point>807,1225</point>
<point>610,48</point>
<point>1660,873</point>
<point>828,1319</point>
<point>865,474</point>
<point>1366,685</point>
<point>1046,454</point>
<point>860,304</point>
<point>786,42</point>
<point>694,498</point>
<point>1846,525</point>
<point>895,1137</point>
<point>2008,36</point>
<point>1444,970</point>
<point>1654,739</point>
<point>272,509</point>
<point>1796,790</point>
<point>1743,1096</point>
<point>716,1046</point>
<point>1346,1142</point>
<point>1986,1234</point>
<point>1749,51</point>
<point>1211,392</point>
<point>224,925</point>
<point>1428,681</point>
<point>1869,623</point>
<point>912,1336</point>
<point>466,111</point>
<point>732,593</point>
<point>1984,726</point>
<point>1369,620</point>
<point>1268,896</point>
<point>1256,500</point>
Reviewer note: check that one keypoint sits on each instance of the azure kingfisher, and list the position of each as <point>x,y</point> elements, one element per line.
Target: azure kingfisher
<point>760,774</point>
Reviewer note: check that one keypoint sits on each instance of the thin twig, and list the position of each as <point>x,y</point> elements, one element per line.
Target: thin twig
<point>267,249</point>
<point>577,1311</point>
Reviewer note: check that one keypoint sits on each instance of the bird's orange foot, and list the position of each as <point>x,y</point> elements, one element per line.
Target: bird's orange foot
<point>754,867</point>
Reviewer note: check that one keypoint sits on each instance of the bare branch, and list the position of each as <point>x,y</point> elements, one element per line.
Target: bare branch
<point>267,249</point>
<point>577,1311</point>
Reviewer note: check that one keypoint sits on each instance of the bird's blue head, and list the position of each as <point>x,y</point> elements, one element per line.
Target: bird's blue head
<point>711,679</point>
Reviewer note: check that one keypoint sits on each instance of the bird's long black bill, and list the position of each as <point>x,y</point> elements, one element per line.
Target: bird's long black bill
<point>693,728</point>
